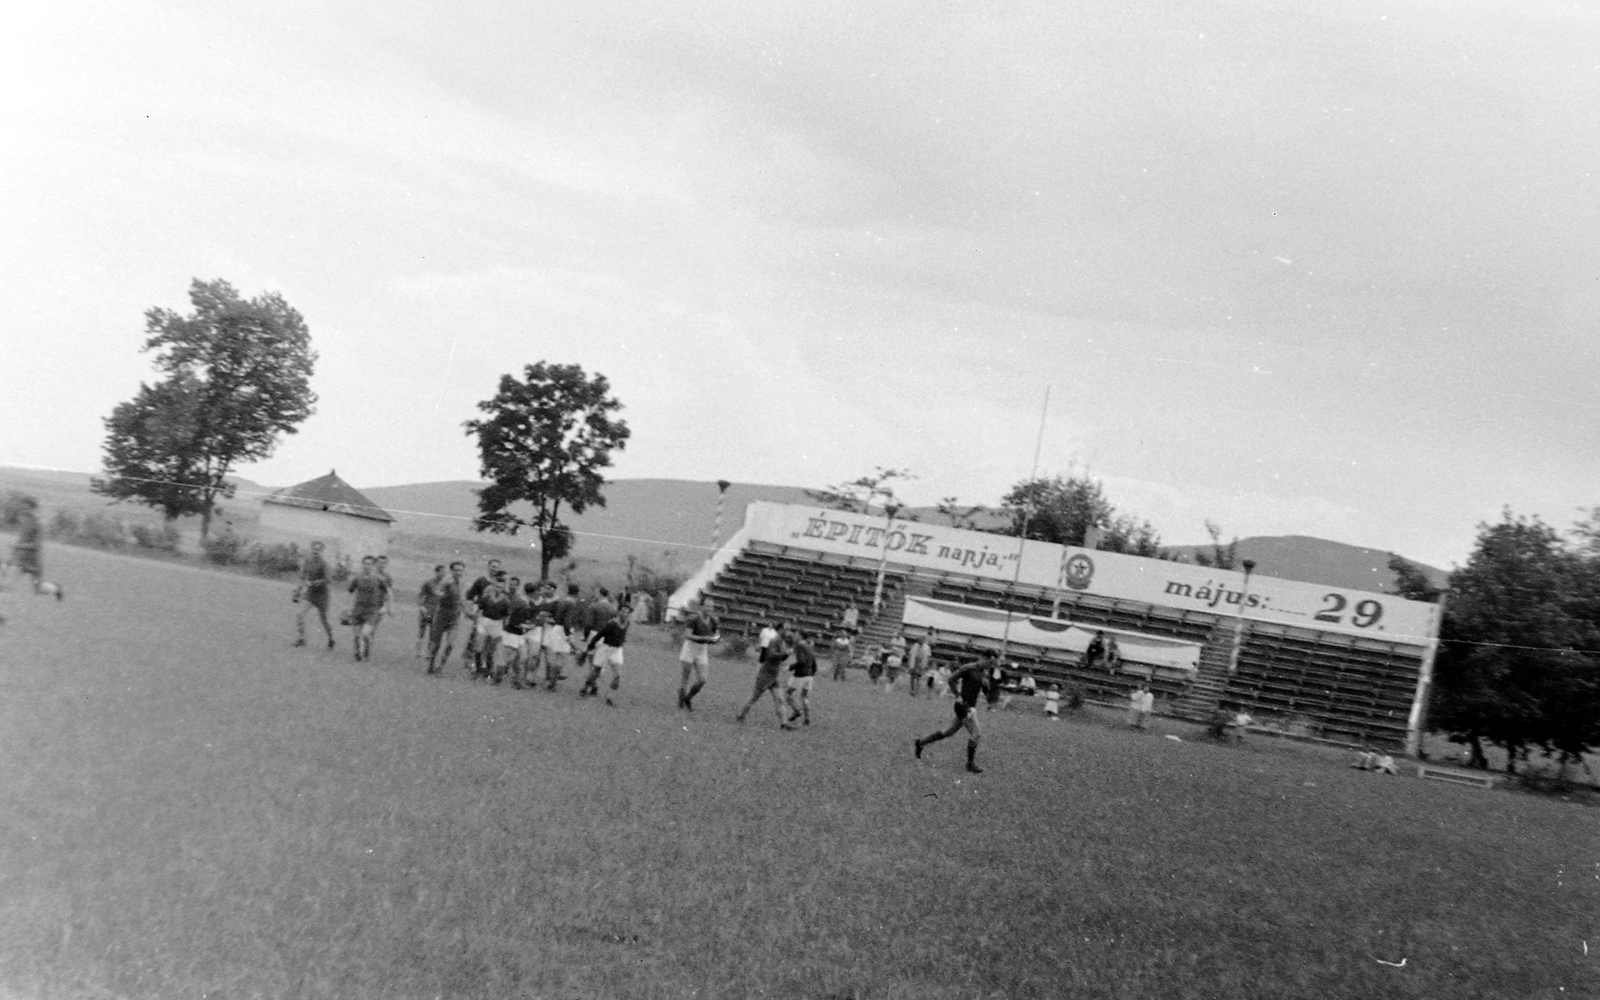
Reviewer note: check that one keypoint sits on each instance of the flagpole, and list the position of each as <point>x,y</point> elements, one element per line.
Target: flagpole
<point>1027,513</point>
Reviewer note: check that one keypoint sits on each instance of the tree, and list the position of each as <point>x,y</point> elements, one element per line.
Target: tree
<point>544,444</point>
<point>1221,556</point>
<point>862,494</point>
<point>1065,509</point>
<point>237,376</point>
<point>1411,582</point>
<point>1518,663</point>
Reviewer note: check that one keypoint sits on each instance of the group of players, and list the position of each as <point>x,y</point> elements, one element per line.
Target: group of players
<point>513,630</point>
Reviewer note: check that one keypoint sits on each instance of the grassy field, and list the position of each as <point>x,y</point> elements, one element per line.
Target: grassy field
<point>194,809</point>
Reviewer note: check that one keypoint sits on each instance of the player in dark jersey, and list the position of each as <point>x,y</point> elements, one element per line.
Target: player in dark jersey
<point>968,684</point>
<point>371,596</point>
<point>494,604</point>
<point>427,602</point>
<point>802,674</point>
<point>469,652</point>
<point>520,631</point>
<point>381,566</point>
<point>446,615</point>
<point>312,592</point>
<point>769,675</point>
<point>605,650</point>
<point>695,657</point>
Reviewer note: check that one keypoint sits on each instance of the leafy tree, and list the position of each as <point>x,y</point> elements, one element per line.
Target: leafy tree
<point>544,444</point>
<point>1221,556</point>
<point>1411,582</point>
<point>237,376</point>
<point>1518,665</point>
<point>1065,509</point>
<point>862,495</point>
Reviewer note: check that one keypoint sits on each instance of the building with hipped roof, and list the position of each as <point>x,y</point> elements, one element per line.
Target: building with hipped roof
<point>329,510</point>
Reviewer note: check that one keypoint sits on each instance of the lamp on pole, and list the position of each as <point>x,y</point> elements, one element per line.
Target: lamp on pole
<point>1238,620</point>
<point>891,508</point>
<point>716,524</point>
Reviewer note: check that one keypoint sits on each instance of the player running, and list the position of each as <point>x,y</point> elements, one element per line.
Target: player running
<point>446,615</point>
<point>427,604</point>
<point>371,596</point>
<point>802,674</point>
<point>968,683</point>
<point>769,674</point>
<point>695,657</point>
<point>605,650</point>
<point>469,652</point>
<point>312,592</point>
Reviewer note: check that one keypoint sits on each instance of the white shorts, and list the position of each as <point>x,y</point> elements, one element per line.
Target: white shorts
<point>607,656</point>
<point>800,683</point>
<point>489,628</point>
<point>512,641</point>
<point>695,652</point>
<point>554,640</point>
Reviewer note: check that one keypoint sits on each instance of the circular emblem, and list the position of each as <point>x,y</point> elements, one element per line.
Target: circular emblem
<point>1079,571</point>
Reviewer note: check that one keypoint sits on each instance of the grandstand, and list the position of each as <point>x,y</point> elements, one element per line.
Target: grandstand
<point>1316,661</point>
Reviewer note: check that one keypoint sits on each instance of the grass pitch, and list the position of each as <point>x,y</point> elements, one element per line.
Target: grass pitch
<point>194,809</point>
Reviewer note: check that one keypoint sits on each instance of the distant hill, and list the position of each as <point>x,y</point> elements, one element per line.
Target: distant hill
<point>669,521</point>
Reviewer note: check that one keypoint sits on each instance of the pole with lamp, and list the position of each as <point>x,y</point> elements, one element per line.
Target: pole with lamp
<point>716,524</point>
<point>1027,514</point>
<point>1238,620</point>
<point>891,509</point>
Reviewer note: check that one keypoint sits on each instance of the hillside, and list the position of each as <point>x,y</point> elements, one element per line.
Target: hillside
<point>668,522</point>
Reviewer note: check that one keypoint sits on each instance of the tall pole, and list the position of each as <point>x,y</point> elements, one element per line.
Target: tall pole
<point>716,524</point>
<point>891,509</point>
<point>1238,620</point>
<point>1027,514</point>
<point>1417,722</point>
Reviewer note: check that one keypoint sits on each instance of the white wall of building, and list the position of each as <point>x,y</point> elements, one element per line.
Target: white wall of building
<point>343,534</point>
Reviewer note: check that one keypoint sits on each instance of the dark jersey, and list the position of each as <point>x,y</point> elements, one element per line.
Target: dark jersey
<point>449,601</point>
<point>805,660</point>
<point>613,633</point>
<point>775,652</point>
<point>600,612</point>
<point>428,596</point>
<point>494,603</point>
<point>519,616</point>
<point>314,574</point>
<point>479,585</point>
<point>968,682</point>
<point>703,628</point>
<point>568,613</point>
<point>370,591</point>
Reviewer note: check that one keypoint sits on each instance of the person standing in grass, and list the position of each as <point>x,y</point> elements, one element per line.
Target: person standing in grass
<point>918,658</point>
<point>566,615</point>
<point>494,604</point>
<point>427,604</point>
<point>469,652</point>
<point>1140,704</point>
<point>802,675</point>
<point>382,567</point>
<point>968,682</point>
<point>446,615</point>
<point>843,650</point>
<point>371,594</point>
<point>605,650</point>
<point>514,636</point>
<point>769,676</point>
<point>312,592</point>
<point>695,656</point>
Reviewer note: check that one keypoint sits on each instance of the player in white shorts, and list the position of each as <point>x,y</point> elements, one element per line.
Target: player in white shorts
<point>695,657</point>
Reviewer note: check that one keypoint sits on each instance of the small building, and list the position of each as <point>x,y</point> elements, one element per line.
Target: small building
<point>329,510</point>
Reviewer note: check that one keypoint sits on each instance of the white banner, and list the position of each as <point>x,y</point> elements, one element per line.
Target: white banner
<point>1107,574</point>
<point>964,619</point>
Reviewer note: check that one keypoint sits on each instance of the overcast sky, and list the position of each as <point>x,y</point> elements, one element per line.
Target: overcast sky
<point>1316,268</point>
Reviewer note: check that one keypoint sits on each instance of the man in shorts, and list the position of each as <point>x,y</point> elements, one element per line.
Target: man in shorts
<point>695,657</point>
<point>446,615</point>
<point>605,650</point>
<point>469,652</point>
<point>802,674</point>
<point>918,659</point>
<point>521,612</point>
<point>968,682</point>
<point>494,604</point>
<point>769,676</point>
<point>312,592</point>
<point>27,555</point>
<point>371,594</point>
<point>427,604</point>
<point>381,564</point>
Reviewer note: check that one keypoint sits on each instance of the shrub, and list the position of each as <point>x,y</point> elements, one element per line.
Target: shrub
<point>11,508</point>
<point>161,538</point>
<point>103,530</point>
<point>224,548</point>
<point>64,525</point>
<point>275,559</point>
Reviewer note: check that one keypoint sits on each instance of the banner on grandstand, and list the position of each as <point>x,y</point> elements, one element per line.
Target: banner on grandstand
<point>1107,574</point>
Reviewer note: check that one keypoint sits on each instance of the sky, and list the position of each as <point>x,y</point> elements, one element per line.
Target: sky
<point>1311,268</point>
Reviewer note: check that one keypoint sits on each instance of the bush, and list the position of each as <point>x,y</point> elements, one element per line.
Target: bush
<point>104,531</point>
<point>224,548</point>
<point>64,525</point>
<point>276,559</point>
<point>11,508</point>
<point>160,538</point>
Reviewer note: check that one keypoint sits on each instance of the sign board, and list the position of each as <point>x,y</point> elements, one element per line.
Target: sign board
<point>1179,585</point>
